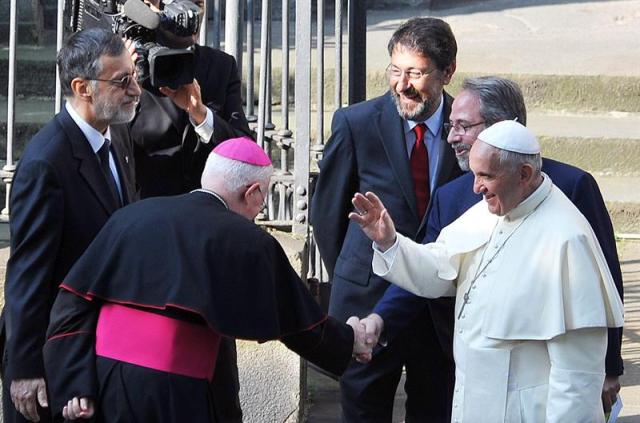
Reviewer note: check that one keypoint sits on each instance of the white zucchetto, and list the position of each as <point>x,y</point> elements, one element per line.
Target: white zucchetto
<point>511,136</point>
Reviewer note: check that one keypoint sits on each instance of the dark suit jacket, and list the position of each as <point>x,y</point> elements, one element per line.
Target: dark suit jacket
<point>60,199</point>
<point>159,125</point>
<point>398,307</point>
<point>366,152</point>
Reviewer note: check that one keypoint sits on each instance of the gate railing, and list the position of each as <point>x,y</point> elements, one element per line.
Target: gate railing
<point>289,126</point>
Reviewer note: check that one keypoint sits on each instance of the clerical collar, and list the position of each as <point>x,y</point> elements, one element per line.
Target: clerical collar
<point>530,203</point>
<point>206,191</point>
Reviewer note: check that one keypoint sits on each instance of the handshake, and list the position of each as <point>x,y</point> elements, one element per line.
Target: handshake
<point>366,333</point>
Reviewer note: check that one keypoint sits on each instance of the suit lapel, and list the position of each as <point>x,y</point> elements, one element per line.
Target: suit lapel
<point>88,165</point>
<point>391,132</point>
<point>448,168</point>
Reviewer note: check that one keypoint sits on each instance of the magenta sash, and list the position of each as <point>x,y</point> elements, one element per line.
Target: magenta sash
<point>158,342</point>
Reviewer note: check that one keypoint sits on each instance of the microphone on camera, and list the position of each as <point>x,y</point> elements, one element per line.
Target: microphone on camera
<point>138,12</point>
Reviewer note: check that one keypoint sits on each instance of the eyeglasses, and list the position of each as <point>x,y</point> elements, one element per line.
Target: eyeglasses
<point>459,128</point>
<point>122,83</point>
<point>414,74</point>
<point>264,197</point>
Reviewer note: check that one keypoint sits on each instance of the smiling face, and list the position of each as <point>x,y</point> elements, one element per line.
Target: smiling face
<point>503,188</point>
<point>416,99</point>
<point>465,112</point>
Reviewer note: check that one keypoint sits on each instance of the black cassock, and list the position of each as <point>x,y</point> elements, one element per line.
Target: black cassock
<point>187,258</point>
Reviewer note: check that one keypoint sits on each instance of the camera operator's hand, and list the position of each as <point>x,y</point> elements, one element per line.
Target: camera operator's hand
<point>188,98</point>
<point>131,48</point>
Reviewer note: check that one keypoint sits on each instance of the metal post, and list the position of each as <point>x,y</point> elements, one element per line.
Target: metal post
<point>250,62</point>
<point>357,51</point>
<point>338,41</point>
<point>9,168</point>
<point>214,35</point>
<point>320,71</point>
<point>233,30</point>
<point>264,62</point>
<point>59,39</point>
<point>204,23</point>
<point>302,111</point>
<point>284,99</point>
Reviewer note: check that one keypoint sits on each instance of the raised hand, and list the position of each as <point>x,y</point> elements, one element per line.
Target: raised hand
<point>78,408</point>
<point>189,99</point>
<point>374,219</point>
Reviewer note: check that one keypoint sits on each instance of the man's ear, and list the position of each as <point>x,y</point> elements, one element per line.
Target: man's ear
<point>526,172</point>
<point>82,89</point>
<point>448,72</point>
<point>252,190</point>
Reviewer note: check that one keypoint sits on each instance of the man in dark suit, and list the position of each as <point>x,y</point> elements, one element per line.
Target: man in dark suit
<point>381,145</point>
<point>69,180</point>
<point>172,135</point>
<point>481,103</point>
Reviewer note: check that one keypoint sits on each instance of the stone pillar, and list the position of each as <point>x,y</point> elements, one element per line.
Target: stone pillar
<point>273,378</point>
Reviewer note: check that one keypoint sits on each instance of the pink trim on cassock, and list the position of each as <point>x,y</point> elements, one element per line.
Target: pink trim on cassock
<point>157,342</point>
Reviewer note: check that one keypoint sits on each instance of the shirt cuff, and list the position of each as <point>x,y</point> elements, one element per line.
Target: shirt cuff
<point>389,255</point>
<point>205,129</point>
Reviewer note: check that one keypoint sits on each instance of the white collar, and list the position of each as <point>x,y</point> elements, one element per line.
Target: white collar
<point>224,203</point>
<point>529,204</point>
<point>95,138</point>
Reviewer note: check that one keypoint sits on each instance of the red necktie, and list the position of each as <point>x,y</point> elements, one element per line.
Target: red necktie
<point>420,169</point>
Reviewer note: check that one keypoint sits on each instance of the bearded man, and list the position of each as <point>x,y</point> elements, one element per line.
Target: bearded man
<point>69,181</point>
<point>396,146</point>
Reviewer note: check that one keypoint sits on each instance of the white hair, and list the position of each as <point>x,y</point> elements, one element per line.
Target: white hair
<point>513,160</point>
<point>233,174</point>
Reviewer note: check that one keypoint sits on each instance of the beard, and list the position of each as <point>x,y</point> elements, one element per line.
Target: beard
<point>420,108</point>
<point>463,160</point>
<point>107,110</point>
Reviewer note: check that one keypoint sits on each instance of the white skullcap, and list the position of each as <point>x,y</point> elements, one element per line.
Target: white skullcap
<point>511,136</point>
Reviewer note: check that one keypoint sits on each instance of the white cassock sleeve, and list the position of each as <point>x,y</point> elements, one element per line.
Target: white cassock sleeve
<point>416,267</point>
<point>576,376</point>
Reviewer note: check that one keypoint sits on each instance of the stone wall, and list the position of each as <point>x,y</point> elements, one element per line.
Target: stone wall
<point>272,378</point>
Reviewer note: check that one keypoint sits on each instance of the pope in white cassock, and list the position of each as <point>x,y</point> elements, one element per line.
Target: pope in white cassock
<point>534,295</point>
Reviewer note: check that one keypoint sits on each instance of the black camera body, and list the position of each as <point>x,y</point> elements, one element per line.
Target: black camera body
<point>132,19</point>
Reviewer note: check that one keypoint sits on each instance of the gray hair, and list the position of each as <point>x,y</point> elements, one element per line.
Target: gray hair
<point>500,99</point>
<point>234,174</point>
<point>80,56</point>
<point>512,160</point>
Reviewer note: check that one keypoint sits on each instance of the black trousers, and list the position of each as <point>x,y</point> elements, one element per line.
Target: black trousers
<point>368,390</point>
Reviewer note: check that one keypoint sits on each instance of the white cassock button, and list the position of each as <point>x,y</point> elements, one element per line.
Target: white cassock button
<point>459,331</point>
